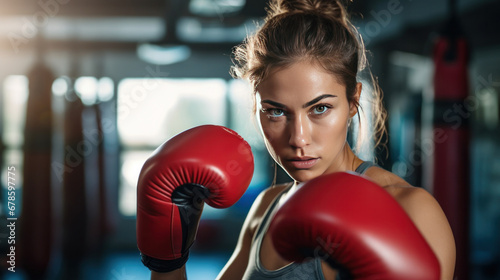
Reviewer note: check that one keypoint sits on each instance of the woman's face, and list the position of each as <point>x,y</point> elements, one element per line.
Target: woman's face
<point>304,112</point>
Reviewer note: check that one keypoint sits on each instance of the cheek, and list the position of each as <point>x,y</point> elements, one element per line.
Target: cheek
<point>270,129</point>
<point>335,127</point>
<point>270,136</point>
<point>338,124</point>
<point>273,133</point>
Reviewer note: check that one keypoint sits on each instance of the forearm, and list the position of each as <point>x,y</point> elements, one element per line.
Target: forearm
<point>178,274</point>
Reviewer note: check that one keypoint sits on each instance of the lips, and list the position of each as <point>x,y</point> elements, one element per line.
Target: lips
<point>303,162</point>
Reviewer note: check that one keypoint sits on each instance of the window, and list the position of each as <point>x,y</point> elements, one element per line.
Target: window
<point>15,95</point>
<point>151,111</point>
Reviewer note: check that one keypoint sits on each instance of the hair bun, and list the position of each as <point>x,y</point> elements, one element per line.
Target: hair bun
<point>328,8</point>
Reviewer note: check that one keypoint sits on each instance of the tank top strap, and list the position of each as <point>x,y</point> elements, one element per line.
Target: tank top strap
<point>309,269</point>
<point>270,209</point>
<point>364,166</point>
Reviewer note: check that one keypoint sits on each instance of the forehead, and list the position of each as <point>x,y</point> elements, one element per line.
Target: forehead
<point>299,81</point>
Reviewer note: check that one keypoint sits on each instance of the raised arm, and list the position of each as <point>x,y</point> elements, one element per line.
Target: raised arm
<point>430,219</point>
<point>356,227</point>
<point>178,274</point>
<point>426,214</point>
<point>209,164</point>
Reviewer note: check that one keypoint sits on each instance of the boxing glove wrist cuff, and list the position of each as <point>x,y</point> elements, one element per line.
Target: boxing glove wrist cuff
<point>163,266</point>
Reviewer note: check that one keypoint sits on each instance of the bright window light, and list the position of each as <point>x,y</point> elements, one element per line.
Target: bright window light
<point>132,162</point>
<point>15,97</point>
<point>86,89</point>
<point>150,111</point>
<point>60,86</point>
<point>163,55</point>
<point>215,7</point>
<point>105,89</point>
<point>244,122</point>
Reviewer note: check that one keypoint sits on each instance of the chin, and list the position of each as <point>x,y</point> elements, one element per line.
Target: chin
<point>303,175</point>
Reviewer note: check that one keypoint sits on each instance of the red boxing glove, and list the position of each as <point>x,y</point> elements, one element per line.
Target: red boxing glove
<point>356,226</point>
<point>206,163</point>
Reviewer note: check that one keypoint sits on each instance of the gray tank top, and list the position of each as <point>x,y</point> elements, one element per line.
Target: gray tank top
<point>310,269</point>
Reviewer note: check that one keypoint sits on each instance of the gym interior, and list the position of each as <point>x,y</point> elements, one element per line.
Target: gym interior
<point>89,89</point>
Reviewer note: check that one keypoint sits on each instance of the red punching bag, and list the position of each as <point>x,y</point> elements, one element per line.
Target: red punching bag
<point>450,174</point>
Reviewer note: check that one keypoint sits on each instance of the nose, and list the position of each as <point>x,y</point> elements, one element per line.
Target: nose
<point>300,135</point>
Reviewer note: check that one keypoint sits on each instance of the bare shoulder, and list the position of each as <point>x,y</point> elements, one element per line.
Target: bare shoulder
<point>383,177</point>
<point>415,201</point>
<point>426,214</point>
<point>412,199</point>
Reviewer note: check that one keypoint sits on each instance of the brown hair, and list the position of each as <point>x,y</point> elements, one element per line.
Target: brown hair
<point>314,30</point>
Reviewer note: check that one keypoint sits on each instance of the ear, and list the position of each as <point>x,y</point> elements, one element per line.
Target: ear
<point>353,109</point>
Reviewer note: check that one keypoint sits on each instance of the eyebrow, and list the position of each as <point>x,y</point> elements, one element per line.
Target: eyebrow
<point>312,102</point>
<point>317,99</point>
<point>274,103</point>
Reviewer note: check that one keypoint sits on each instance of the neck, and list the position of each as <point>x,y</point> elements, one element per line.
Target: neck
<point>346,161</point>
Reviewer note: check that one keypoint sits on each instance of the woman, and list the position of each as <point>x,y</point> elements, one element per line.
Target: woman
<point>303,64</point>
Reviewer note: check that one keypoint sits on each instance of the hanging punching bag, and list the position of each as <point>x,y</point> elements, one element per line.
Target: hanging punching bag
<point>109,167</point>
<point>36,219</point>
<point>92,138</point>
<point>74,195</point>
<point>450,174</point>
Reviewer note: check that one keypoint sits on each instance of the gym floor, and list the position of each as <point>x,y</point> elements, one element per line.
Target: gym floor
<point>127,266</point>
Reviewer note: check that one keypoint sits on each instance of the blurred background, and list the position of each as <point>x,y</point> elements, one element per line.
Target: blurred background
<point>88,89</point>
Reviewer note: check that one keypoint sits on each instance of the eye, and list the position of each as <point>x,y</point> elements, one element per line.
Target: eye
<point>274,112</point>
<point>320,109</point>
